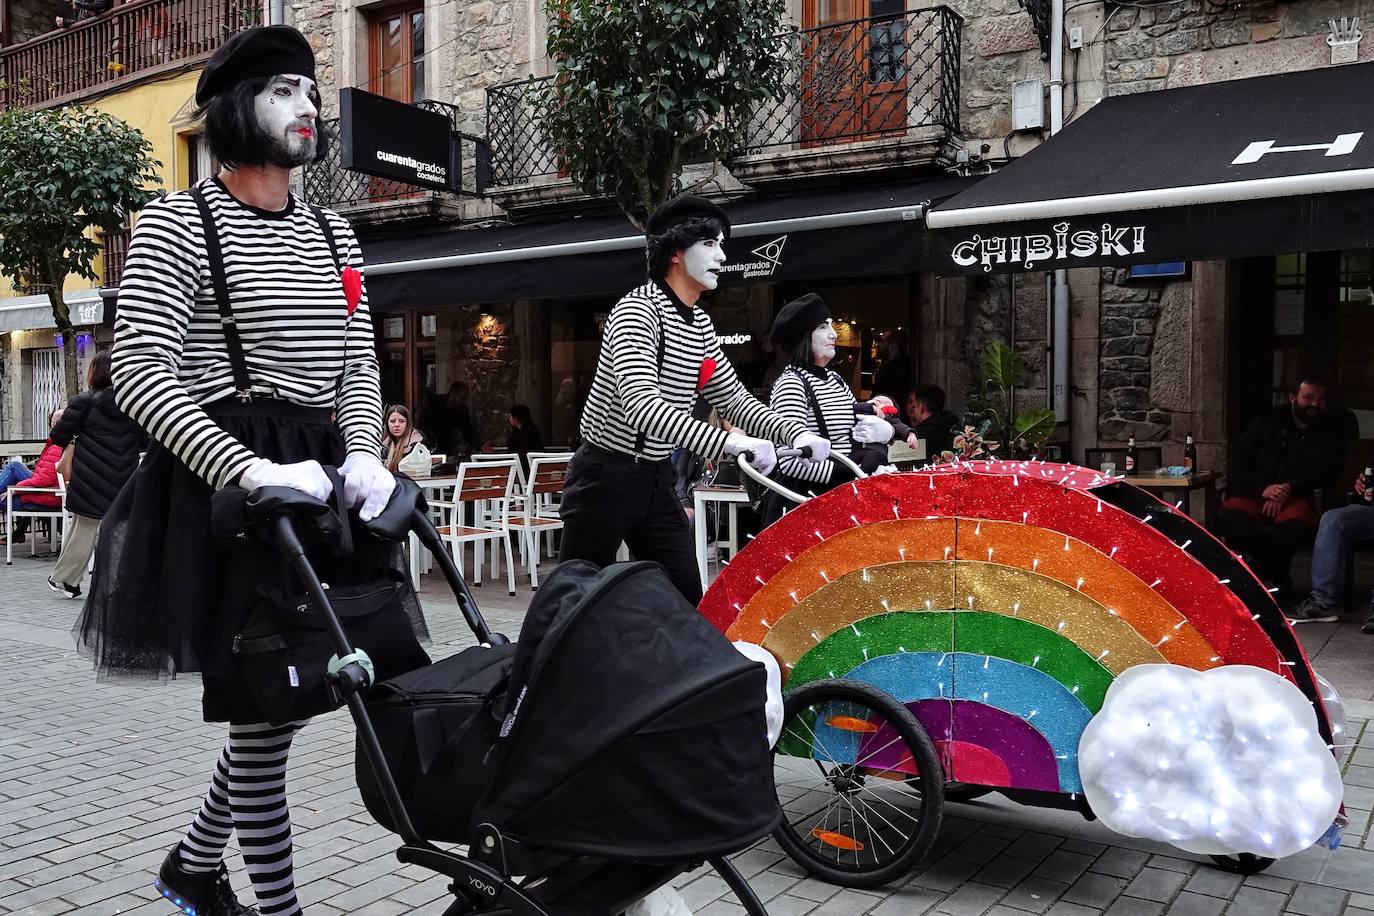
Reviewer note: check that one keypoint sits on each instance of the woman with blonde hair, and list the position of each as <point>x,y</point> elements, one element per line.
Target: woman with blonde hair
<point>402,448</point>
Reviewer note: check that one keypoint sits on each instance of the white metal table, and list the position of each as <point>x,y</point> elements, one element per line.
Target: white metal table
<point>731,496</point>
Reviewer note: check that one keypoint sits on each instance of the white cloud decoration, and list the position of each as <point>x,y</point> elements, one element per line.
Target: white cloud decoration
<point>1214,762</point>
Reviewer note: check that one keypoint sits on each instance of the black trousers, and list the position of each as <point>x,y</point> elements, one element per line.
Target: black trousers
<point>609,498</point>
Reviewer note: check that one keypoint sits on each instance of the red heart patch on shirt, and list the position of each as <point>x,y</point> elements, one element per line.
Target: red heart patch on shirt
<point>708,369</point>
<point>353,288</point>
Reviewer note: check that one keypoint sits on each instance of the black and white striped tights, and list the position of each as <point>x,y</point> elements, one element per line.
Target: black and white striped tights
<point>247,796</point>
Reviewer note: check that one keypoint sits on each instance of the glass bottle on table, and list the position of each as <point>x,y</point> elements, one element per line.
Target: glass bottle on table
<point>1190,456</point>
<point>1132,458</point>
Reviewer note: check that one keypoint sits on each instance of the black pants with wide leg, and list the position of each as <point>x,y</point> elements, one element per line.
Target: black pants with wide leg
<point>609,498</point>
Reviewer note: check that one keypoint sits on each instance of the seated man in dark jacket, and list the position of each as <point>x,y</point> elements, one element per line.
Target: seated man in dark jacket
<point>1282,459</point>
<point>925,410</point>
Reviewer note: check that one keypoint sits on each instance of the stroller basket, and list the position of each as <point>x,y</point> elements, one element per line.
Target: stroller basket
<point>619,744</point>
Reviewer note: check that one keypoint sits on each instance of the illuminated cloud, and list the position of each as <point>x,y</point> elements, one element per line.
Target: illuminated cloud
<point>1214,762</point>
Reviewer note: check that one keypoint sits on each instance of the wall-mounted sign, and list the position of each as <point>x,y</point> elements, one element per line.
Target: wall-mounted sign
<point>91,311</point>
<point>390,139</point>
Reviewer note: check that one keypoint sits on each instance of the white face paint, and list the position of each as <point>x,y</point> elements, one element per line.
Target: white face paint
<point>286,114</point>
<point>702,261</point>
<point>823,342</point>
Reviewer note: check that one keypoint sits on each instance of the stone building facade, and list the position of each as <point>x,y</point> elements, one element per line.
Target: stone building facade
<point>1145,354</point>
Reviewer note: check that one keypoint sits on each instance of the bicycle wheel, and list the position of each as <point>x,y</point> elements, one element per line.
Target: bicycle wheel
<point>859,782</point>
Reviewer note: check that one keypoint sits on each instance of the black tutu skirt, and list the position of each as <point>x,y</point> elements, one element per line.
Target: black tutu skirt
<point>167,597</point>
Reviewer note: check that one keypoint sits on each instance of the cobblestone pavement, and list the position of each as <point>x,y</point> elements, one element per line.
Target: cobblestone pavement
<point>97,780</point>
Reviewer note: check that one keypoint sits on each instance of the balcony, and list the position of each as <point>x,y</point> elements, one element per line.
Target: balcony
<point>368,200</point>
<point>868,94</point>
<point>131,43</point>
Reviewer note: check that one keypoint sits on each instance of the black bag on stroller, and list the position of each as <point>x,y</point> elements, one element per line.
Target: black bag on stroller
<point>623,725</point>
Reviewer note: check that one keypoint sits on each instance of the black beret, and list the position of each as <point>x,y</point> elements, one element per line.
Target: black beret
<point>682,208</point>
<point>263,51</point>
<point>798,319</point>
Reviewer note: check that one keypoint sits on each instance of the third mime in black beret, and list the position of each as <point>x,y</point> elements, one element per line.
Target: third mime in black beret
<point>798,319</point>
<point>263,51</point>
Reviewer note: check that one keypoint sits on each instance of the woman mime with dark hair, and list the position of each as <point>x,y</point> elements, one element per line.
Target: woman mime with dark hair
<point>241,336</point>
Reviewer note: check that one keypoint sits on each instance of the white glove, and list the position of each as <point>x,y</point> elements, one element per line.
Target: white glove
<point>772,710</point>
<point>306,476</point>
<point>869,430</point>
<point>820,448</point>
<point>765,456</point>
<point>367,484</point>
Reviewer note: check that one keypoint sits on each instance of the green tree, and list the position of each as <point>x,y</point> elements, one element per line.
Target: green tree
<point>644,87</point>
<point>63,172</point>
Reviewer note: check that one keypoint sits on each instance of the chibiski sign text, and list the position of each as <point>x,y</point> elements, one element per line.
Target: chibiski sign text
<point>1064,243</point>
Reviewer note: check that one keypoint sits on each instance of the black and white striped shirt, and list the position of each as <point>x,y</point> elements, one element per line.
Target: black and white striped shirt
<point>630,392</point>
<point>836,402</point>
<point>170,355</point>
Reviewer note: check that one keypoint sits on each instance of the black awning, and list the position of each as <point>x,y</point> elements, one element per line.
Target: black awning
<point>858,231</point>
<point>1232,169</point>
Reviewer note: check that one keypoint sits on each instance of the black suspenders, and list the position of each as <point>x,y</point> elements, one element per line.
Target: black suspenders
<point>811,397</point>
<point>238,364</point>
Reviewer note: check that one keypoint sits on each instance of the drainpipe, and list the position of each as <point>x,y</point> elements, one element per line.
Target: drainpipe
<point>277,13</point>
<point>1059,326</point>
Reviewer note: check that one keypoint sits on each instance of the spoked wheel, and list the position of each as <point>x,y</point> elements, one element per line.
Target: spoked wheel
<point>860,784</point>
<point>1243,863</point>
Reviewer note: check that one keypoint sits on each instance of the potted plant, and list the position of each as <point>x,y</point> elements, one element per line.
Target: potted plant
<point>992,427</point>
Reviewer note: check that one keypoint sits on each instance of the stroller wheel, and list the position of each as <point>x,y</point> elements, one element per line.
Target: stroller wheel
<point>859,782</point>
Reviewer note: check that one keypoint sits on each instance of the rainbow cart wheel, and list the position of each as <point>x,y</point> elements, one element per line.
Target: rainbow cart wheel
<point>859,782</point>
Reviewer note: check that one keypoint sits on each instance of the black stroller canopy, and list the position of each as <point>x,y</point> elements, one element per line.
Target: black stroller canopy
<point>633,729</point>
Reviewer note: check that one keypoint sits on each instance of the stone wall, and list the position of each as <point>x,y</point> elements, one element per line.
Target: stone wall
<point>31,18</point>
<point>1194,41</point>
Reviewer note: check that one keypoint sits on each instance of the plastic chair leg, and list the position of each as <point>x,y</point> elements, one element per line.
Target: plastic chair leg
<point>510,565</point>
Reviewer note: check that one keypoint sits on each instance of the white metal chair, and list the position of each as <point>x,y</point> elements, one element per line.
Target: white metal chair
<point>539,513</point>
<point>56,517</point>
<point>482,482</point>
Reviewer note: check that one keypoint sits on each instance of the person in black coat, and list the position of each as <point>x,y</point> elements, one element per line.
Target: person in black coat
<point>1285,456</point>
<point>107,447</point>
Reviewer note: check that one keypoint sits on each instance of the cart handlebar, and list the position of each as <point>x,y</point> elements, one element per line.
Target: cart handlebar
<point>746,458</point>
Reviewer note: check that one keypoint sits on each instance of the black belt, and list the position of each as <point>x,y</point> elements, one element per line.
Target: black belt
<point>273,408</point>
<point>606,454</point>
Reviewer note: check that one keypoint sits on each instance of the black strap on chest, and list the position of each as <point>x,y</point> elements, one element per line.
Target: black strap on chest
<point>238,363</point>
<point>812,399</point>
<point>662,350</point>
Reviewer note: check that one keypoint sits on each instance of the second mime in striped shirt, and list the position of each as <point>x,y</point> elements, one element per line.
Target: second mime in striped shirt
<point>658,352</point>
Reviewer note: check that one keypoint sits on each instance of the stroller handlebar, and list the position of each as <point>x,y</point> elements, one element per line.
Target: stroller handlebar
<point>746,466</point>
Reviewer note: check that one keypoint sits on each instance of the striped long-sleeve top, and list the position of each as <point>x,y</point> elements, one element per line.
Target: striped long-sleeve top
<point>632,393</point>
<point>300,343</point>
<point>837,404</point>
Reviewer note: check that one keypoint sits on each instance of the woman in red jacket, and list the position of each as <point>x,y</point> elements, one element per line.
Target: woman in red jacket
<point>44,475</point>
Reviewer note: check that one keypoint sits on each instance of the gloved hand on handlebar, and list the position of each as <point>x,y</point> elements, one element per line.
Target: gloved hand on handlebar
<point>763,457</point>
<point>820,448</point>
<point>306,476</point>
<point>367,484</point>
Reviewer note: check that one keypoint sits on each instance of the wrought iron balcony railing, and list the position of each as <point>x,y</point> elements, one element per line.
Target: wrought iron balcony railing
<point>879,78</point>
<point>134,39</point>
<point>329,184</point>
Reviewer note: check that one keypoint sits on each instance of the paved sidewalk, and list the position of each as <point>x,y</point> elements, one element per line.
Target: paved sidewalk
<point>97,780</point>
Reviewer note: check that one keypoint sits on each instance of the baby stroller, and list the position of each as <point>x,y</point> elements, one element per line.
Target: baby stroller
<point>583,768</point>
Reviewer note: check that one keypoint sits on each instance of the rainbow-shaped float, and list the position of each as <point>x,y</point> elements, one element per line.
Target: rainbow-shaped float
<point>998,601</point>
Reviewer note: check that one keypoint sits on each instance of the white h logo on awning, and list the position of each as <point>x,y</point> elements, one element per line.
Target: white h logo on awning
<point>1343,145</point>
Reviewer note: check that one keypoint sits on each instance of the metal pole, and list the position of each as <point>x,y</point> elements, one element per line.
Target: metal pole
<point>1059,366</point>
<point>277,13</point>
